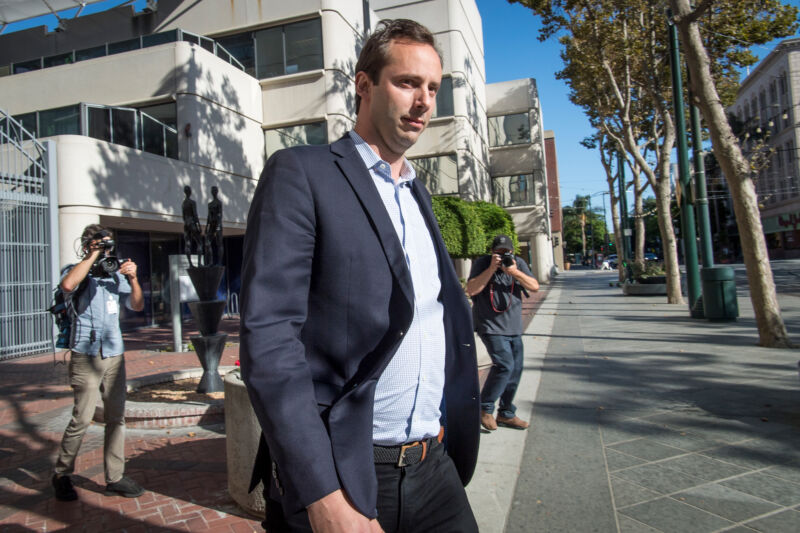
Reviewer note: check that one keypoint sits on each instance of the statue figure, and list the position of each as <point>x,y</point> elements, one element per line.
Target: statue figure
<point>192,238</point>
<point>214,230</point>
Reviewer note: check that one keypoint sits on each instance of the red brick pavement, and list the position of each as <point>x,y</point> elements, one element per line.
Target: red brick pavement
<point>183,469</point>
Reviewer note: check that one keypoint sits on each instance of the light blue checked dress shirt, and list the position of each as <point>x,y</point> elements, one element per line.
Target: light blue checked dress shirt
<point>409,391</point>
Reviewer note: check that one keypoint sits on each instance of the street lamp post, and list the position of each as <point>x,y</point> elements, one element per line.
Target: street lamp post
<point>688,230</point>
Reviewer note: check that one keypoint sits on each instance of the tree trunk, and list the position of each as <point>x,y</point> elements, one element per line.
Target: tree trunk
<point>638,217</point>
<point>771,329</point>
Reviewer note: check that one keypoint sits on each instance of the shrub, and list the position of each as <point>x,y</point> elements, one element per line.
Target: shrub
<point>495,220</point>
<point>460,225</point>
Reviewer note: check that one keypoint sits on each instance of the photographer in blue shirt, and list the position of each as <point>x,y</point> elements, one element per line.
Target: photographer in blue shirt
<point>93,290</point>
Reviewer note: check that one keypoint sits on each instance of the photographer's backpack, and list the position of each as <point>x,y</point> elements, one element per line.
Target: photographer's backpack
<point>63,312</point>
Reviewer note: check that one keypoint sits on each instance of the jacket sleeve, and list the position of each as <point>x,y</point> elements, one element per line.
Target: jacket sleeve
<point>276,271</point>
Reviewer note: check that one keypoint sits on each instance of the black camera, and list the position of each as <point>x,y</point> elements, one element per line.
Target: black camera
<point>106,265</point>
<point>106,245</point>
<point>507,259</point>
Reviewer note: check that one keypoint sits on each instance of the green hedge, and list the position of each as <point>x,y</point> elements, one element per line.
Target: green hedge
<point>469,227</point>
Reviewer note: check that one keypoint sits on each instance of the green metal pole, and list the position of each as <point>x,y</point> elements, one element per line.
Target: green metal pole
<point>623,255</point>
<point>701,196</point>
<point>688,230</point>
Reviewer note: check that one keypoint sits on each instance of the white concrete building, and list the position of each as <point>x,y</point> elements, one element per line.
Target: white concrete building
<point>768,105</point>
<point>140,104</point>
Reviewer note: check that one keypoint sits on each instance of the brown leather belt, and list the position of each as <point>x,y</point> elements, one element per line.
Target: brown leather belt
<point>406,454</point>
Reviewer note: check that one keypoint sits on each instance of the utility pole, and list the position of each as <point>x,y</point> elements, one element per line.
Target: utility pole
<point>701,196</point>
<point>688,230</point>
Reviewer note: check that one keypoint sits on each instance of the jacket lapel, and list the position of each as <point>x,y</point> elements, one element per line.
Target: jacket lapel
<point>352,166</point>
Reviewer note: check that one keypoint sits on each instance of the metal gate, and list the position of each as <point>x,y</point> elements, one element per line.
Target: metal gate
<point>28,240</point>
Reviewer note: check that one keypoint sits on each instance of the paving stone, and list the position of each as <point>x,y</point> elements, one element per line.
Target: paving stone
<point>789,472</point>
<point>685,440</point>
<point>627,493</point>
<point>618,460</point>
<point>620,431</point>
<point>784,522</point>
<point>668,515</point>
<point>658,478</point>
<point>746,456</point>
<point>768,487</point>
<point>725,502</point>
<point>629,525</point>
<point>647,449</point>
<point>703,467</point>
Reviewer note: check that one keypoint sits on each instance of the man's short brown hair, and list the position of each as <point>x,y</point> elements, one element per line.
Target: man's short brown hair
<point>375,53</point>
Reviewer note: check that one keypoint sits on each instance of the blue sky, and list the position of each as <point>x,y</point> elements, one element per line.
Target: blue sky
<point>512,51</point>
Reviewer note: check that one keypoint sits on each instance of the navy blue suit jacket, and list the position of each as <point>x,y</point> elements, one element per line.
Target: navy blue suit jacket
<point>326,298</point>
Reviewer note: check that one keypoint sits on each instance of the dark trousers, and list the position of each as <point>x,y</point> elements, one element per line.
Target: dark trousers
<point>425,497</point>
<point>503,379</point>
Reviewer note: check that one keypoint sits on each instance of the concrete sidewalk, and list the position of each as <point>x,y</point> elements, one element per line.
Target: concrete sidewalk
<point>647,420</point>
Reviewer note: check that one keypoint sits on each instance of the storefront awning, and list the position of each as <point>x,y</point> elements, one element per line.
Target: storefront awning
<point>16,10</point>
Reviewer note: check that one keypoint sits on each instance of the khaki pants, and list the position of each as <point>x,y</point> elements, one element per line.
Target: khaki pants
<point>90,377</point>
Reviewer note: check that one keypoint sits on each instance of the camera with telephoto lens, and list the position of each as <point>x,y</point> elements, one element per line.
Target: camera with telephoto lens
<point>105,265</point>
<point>507,259</point>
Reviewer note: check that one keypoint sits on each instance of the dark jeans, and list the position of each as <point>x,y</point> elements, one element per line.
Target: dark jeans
<point>425,497</point>
<point>503,380</point>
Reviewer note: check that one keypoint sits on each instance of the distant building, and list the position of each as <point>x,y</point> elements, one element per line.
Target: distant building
<point>767,110</point>
<point>554,198</point>
<point>136,105</point>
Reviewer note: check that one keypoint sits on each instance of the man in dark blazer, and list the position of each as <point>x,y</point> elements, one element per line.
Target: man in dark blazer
<point>356,336</point>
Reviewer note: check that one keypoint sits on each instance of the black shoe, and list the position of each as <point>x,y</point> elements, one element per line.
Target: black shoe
<point>65,492</point>
<point>124,487</point>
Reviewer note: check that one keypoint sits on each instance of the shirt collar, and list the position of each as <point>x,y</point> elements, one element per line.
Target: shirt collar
<point>373,162</point>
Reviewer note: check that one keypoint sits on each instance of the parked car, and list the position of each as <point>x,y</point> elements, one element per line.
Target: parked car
<point>650,257</point>
<point>610,262</point>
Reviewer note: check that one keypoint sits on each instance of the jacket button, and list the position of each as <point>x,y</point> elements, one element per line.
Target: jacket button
<point>400,333</point>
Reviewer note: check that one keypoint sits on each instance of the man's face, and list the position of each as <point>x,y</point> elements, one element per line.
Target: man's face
<point>397,108</point>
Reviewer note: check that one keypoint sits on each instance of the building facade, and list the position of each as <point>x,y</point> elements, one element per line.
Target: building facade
<point>141,104</point>
<point>766,108</point>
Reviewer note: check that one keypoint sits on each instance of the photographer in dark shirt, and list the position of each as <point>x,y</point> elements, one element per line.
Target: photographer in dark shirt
<point>496,284</point>
<point>93,289</point>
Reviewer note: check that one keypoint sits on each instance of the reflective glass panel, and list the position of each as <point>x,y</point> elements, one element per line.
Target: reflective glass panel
<point>60,121</point>
<point>444,98</point>
<point>153,135</point>
<point>124,46</point>
<point>90,53</point>
<point>303,46</point>
<point>159,38</point>
<point>99,123</point>
<point>510,191</point>
<point>27,66</point>
<point>123,127</point>
<point>269,53</point>
<point>242,47</point>
<point>60,59</point>
<point>166,113</point>
<point>28,121</point>
<point>509,129</point>
<point>438,173</point>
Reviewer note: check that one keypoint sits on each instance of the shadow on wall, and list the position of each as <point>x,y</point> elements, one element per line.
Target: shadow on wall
<point>121,180</point>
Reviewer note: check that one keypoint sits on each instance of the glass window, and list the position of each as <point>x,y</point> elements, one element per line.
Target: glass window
<point>166,113</point>
<point>124,46</point>
<point>444,98</point>
<point>27,66</point>
<point>303,46</point>
<point>99,123</point>
<point>242,47</point>
<point>5,70</point>
<point>509,129</point>
<point>90,53</point>
<point>171,138</point>
<point>60,121</point>
<point>160,38</point>
<point>438,173</point>
<point>278,138</point>
<point>510,191</point>
<point>288,49</point>
<point>28,121</point>
<point>123,127</point>
<point>153,135</point>
<point>60,59</point>
<point>269,53</point>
